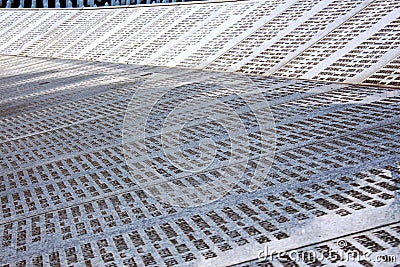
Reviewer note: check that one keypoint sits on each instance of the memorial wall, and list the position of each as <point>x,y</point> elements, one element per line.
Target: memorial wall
<point>350,41</point>
<point>201,134</point>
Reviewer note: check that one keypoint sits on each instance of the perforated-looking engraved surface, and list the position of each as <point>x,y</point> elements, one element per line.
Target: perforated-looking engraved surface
<point>331,40</point>
<point>348,49</point>
<point>69,199</point>
<point>389,75</point>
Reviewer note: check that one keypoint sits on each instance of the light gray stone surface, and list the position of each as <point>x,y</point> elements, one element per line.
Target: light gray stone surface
<point>69,198</point>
